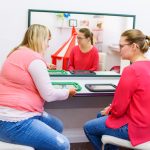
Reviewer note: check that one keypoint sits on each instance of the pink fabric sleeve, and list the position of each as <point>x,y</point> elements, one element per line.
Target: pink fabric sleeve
<point>41,78</point>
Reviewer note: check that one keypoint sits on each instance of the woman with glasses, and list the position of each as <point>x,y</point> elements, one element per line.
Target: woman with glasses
<point>128,117</point>
<point>84,56</point>
<point>24,87</point>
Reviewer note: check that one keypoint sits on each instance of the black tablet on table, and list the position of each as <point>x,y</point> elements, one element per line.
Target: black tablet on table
<point>82,72</point>
<point>101,87</point>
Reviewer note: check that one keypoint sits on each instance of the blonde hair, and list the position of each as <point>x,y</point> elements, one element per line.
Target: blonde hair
<point>34,38</point>
<point>137,36</point>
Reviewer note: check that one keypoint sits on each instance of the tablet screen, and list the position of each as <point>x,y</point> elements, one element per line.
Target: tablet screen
<point>102,87</point>
<point>82,72</point>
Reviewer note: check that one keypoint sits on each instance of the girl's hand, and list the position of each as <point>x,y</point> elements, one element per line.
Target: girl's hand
<point>72,91</point>
<point>51,67</point>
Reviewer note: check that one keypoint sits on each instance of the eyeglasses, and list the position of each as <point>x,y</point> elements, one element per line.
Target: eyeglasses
<point>80,38</point>
<point>122,45</point>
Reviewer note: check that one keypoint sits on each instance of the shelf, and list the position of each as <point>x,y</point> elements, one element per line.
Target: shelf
<point>66,27</point>
<point>114,47</point>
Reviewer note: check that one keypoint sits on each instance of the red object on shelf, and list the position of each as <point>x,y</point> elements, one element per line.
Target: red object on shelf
<point>116,69</point>
<point>61,56</point>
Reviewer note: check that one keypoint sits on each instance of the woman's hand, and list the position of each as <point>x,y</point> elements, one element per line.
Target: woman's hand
<point>72,91</point>
<point>51,67</point>
<point>106,110</point>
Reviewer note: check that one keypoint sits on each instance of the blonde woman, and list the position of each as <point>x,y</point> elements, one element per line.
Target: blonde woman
<point>24,86</point>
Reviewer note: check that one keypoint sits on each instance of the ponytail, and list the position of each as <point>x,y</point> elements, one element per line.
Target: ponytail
<point>137,36</point>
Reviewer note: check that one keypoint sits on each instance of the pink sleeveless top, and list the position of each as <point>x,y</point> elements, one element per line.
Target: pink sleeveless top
<point>17,89</point>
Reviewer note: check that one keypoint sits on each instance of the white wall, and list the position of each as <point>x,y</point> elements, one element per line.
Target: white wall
<point>14,15</point>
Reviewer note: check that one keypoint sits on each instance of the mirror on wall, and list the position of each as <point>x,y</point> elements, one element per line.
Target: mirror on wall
<point>106,29</point>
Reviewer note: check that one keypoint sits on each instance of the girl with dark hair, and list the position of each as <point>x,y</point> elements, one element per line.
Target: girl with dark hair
<point>85,55</point>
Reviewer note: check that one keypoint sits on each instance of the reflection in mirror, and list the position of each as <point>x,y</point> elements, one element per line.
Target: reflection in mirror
<point>106,29</point>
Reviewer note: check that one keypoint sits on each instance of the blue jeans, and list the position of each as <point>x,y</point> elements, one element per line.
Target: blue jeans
<point>40,132</point>
<point>94,129</point>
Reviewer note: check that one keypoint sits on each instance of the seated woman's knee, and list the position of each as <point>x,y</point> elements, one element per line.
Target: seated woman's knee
<point>87,127</point>
<point>62,143</point>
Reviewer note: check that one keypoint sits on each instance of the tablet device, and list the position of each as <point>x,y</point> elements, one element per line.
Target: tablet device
<point>82,72</point>
<point>101,87</point>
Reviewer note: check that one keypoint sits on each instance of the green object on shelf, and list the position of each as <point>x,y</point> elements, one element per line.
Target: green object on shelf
<point>66,85</point>
<point>57,72</point>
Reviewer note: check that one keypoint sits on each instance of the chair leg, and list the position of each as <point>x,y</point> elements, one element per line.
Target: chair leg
<point>103,147</point>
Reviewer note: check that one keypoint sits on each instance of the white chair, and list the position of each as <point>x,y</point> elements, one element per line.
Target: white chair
<point>102,61</point>
<point>10,146</point>
<point>107,139</point>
